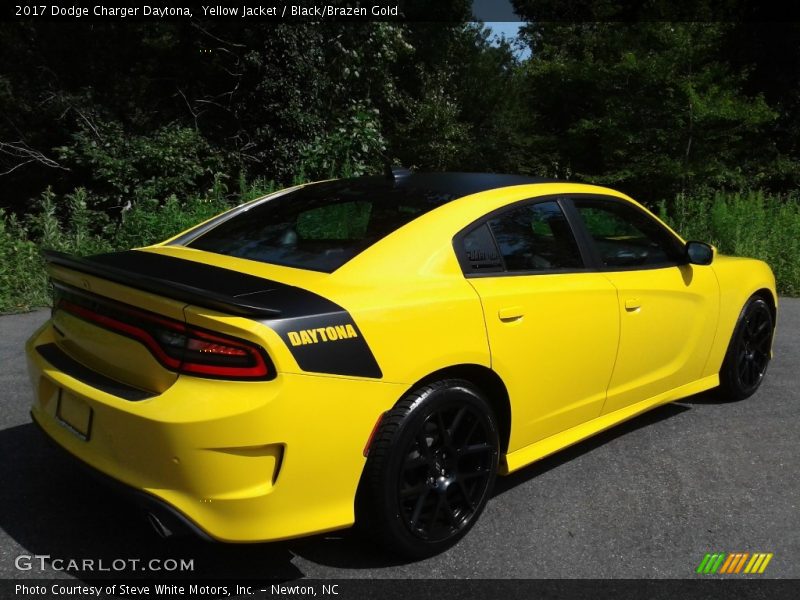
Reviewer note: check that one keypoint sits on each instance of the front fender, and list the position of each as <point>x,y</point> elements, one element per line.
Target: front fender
<point>739,279</point>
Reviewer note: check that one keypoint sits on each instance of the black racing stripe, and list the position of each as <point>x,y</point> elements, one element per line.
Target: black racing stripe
<point>318,346</point>
<point>275,297</point>
<point>198,283</point>
<point>284,308</point>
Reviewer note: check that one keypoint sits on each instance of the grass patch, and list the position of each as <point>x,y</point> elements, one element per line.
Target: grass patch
<point>745,224</point>
<point>69,225</point>
<point>750,224</point>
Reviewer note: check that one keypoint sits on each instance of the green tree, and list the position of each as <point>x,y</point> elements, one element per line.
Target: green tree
<point>652,107</point>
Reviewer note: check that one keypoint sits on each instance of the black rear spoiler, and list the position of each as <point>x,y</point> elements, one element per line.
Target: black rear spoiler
<point>188,281</point>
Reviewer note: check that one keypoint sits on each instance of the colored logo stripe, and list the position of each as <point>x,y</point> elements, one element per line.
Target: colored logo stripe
<point>733,563</point>
<point>711,563</point>
<point>727,564</point>
<point>758,563</point>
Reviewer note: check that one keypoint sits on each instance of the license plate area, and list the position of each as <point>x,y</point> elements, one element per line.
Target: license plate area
<point>74,414</point>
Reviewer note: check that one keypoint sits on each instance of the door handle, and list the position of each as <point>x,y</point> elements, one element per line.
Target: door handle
<point>510,313</point>
<point>633,304</point>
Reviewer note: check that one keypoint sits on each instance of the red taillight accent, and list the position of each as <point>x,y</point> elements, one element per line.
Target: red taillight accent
<point>212,348</point>
<point>179,347</point>
<point>128,329</point>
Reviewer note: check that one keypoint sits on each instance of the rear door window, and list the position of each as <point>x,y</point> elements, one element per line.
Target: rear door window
<point>536,237</point>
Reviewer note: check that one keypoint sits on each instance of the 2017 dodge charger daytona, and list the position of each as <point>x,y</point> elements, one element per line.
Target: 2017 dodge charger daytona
<point>377,349</point>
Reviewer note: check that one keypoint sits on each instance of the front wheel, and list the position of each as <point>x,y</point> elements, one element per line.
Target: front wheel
<point>431,468</point>
<point>749,351</point>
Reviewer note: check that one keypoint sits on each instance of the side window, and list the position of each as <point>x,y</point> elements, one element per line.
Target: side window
<point>480,253</point>
<point>627,237</point>
<point>536,237</point>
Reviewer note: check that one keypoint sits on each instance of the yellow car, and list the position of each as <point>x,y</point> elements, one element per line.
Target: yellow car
<point>377,349</point>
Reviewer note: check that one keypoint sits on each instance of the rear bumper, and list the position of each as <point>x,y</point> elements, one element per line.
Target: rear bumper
<point>236,461</point>
<point>176,522</point>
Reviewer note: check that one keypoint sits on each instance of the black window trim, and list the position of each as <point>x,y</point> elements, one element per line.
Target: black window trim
<point>581,232</point>
<point>587,254</point>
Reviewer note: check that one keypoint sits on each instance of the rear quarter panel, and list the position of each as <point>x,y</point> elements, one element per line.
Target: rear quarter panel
<point>420,325</point>
<point>409,296</point>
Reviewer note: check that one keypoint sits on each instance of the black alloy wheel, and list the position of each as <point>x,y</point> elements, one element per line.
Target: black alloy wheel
<point>447,468</point>
<point>431,468</point>
<point>749,351</point>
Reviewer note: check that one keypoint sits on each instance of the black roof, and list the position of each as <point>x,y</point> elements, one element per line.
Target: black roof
<point>403,196</point>
<point>454,185</point>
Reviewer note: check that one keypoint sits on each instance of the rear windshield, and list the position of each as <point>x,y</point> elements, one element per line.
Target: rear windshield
<point>322,226</point>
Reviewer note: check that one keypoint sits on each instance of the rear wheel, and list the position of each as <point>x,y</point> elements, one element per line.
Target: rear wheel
<point>430,469</point>
<point>749,351</point>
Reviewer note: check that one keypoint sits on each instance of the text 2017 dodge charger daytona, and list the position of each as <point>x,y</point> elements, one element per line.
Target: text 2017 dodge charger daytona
<point>379,348</point>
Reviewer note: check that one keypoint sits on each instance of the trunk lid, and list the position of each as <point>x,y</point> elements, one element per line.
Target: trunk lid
<point>102,303</point>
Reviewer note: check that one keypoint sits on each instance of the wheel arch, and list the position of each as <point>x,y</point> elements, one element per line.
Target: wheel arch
<point>378,510</point>
<point>488,382</point>
<point>768,297</point>
<point>735,382</point>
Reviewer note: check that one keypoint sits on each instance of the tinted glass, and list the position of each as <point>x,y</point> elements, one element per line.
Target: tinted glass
<point>536,237</point>
<point>627,237</point>
<point>480,253</point>
<point>319,227</point>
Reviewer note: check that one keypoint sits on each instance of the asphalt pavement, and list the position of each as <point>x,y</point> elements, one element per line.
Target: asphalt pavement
<point>646,499</point>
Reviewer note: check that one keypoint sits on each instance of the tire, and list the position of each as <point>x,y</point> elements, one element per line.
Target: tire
<point>430,469</point>
<point>748,354</point>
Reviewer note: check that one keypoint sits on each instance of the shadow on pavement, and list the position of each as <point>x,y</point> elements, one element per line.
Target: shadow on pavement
<point>503,484</point>
<point>51,507</point>
<point>709,397</point>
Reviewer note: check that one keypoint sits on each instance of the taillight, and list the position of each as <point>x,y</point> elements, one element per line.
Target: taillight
<point>222,356</point>
<point>177,346</point>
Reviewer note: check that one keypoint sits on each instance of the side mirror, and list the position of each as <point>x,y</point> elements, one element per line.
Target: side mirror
<point>699,253</point>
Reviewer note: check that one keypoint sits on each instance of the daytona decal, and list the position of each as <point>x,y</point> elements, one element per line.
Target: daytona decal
<point>305,321</point>
<point>327,343</point>
<point>321,334</point>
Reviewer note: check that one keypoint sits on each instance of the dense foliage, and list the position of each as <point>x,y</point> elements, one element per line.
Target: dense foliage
<point>118,134</point>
